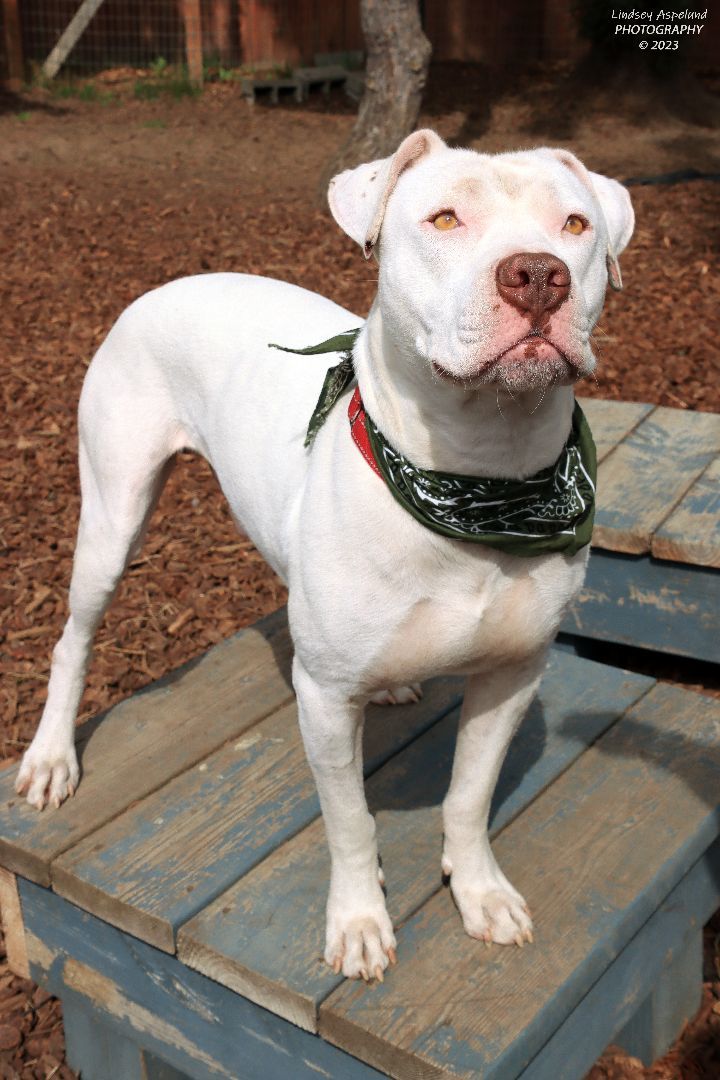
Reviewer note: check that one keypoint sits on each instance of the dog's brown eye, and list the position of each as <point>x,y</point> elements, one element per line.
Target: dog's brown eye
<point>446,221</point>
<point>575,225</point>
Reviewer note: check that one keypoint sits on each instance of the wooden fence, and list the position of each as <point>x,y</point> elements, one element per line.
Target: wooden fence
<point>288,32</point>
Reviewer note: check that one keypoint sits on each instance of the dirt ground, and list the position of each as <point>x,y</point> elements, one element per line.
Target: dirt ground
<point>104,199</point>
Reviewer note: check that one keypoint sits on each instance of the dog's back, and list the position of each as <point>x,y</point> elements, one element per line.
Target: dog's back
<point>188,365</point>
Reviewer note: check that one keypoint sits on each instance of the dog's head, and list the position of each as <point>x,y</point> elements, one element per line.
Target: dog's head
<point>493,266</point>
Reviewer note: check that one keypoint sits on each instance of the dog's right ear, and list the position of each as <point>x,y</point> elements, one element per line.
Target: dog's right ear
<point>358,197</point>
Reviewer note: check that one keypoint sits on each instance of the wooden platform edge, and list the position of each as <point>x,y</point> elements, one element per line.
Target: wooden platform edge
<point>27,849</point>
<point>13,925</point>
<point>185,1019</point>
<point>634,497</point>
<point>686,533</point>
<point>610,1005</point>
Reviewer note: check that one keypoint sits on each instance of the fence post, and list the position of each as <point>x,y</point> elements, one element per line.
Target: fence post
<point>193,40</point>
<point>13,44</point>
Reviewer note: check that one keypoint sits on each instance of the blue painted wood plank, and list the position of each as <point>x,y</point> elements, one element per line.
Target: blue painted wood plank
<point>263,937</point>
<point>691,534</point>
<point>602,1014</point>
<point>636,600</point>
<point>141,743</point>
<point>644,477</point>
<point>166,857</point>
<point>594,855</point>
<point>612,421</point>
<point>673,1000</point>
<point>152,999</point>
<point>97,1051</point>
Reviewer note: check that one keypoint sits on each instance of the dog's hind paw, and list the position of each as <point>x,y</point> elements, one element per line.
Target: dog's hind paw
<point>398,695</point>
<point>46,777</point>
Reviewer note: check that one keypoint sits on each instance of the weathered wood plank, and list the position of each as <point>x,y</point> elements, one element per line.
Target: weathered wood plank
<point>263,937</point>
<point>149,738</point>
<point>691,534</point>
<point>602,1014</point>
<point>153,867</point>
<point>638,600</point>
<point>176,1014</point>
<point>611,421</point>
<point>674,999</point>
<point>95,1050</point>
<point>644,477</point>
<point>12,924</point>
<point>594,855</point>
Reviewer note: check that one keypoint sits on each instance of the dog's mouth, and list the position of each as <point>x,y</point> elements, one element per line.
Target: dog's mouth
<point>530,355</point>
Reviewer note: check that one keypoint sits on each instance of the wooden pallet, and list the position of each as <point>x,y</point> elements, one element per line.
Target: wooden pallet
<point>178,899</point>
<point>653,579</point>
<point>176,903</point>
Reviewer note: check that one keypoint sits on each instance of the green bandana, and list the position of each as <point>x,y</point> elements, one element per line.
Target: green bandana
<point>336,380</point>
<point>551,511</point>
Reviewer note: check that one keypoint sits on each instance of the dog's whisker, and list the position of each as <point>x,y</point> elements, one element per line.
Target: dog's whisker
<point>544,393</point>
<point>497,401</point>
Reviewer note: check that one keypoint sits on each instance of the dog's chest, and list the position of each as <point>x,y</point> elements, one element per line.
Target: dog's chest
<point>472,621</point>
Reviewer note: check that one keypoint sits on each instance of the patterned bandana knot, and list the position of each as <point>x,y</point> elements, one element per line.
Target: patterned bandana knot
<point>551,511</point>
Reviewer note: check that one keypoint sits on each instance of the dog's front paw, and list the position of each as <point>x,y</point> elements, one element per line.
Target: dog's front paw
<point>398,695</point>
<point>46,776</point>
<point>493,914</point>
<point>361,944</point>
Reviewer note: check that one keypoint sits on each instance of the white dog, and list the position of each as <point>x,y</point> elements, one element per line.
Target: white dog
<point>492,274</point>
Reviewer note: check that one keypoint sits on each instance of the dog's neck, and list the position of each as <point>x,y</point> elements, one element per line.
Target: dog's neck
<point>436,425</point>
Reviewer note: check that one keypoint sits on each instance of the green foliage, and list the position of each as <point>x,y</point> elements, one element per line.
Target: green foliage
<point>82,91</point>
<point>178,87</point>
<point>146,91</point>
<point>182,87</point>
<point>215,71</point>
<point>63,89</point>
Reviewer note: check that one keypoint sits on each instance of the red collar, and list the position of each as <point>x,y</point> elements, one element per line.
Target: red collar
<point>359,432</point>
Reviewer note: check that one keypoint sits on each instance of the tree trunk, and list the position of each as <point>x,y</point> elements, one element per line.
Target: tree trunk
<point>398,55</point>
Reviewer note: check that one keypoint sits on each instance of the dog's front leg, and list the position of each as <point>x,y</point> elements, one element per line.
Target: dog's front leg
<point>491,908</point>
<point>359,935</point>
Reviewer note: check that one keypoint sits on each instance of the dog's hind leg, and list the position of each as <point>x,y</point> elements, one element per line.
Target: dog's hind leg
<point>124,462</point>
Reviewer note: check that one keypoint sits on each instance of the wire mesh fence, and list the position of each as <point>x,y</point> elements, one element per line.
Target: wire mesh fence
<point>118,32</point>
<point>76,38</point>
<point>197,37</point>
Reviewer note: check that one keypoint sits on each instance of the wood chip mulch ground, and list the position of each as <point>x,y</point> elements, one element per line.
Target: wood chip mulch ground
<point>100,205</point>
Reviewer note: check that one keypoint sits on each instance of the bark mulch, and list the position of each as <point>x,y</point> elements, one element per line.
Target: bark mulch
<point>101,204</point>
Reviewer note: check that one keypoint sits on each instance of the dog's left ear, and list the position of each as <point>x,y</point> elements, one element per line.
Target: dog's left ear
<point>614,199</point>
<point>617,210</point>
<point>358,197</point>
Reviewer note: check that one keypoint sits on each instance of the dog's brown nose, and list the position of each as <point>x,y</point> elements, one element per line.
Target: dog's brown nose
<point>534,283</point>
